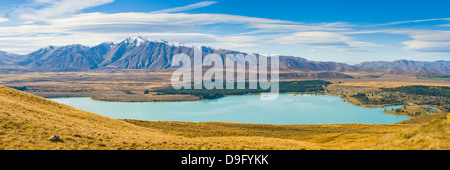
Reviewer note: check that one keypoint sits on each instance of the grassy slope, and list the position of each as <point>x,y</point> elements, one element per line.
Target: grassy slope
<point>425,132</point>
<point>27,121</point>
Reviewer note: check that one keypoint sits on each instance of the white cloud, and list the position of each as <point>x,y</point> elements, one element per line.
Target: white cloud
<point>89,28</point>
<point>59,22</point>
<point>293,27</point>
<point>55,8</point>
<point>428,46</point>
<point>429,41</point>
<point>3,19</point>
<point>411,21</point>
<point>319,39</point>
<point>432,54</point>
<point>128,22</point>
<point>187,7</point>
<point>26,44</point>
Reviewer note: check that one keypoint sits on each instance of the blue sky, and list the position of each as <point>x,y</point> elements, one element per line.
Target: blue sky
<point>349,31</point>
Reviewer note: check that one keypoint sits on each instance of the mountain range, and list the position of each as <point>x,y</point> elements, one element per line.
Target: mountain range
<point>140,53</point>
<point>436,66</point>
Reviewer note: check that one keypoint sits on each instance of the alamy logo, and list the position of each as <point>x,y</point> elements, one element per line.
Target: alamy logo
<point>231,71</point>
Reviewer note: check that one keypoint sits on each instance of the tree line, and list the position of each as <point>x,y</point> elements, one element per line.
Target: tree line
<point>308,86</point>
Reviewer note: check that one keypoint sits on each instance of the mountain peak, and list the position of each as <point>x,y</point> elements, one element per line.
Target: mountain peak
<point>71,46</point>
<point>138,40</point>
<point>134,38</point>
<point>76,46</point>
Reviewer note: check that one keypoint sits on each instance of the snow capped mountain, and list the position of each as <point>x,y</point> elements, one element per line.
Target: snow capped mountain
<point>137,53</point>
<point>135,40</point>
<point>138,41</point>
<point>130,53</point>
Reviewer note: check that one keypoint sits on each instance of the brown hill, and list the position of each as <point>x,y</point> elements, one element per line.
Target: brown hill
<point>27,122</point>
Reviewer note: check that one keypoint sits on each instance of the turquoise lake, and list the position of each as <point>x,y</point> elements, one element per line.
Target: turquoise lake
<point>286,109</point>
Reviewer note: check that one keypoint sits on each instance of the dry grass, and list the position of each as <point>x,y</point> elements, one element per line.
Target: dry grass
<point>86,84</point>
<point>424,132</point>
<point>432,135</point>
<point>391,84</point>
<point>336,136</point>
<point>407,111</point>
<point>389,81</point>
<point>28,121</point>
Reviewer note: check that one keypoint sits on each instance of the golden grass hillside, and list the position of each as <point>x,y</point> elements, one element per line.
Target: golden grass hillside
<point>424,132</point>
<point>27,122</point>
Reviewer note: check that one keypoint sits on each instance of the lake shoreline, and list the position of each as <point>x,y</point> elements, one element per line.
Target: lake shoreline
<point>287,109</point>
<point>191,98</point>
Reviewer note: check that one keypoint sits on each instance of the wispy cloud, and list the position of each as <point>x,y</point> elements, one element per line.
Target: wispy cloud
<point>186,8</point>
<point>3,19</point>
<point>411,21</point>
<point>43,10</point>
<point>429,41</point>
<point>61,22</point>
<point>293,27</point>
<point>94,28</point>
<point>329,40</point>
